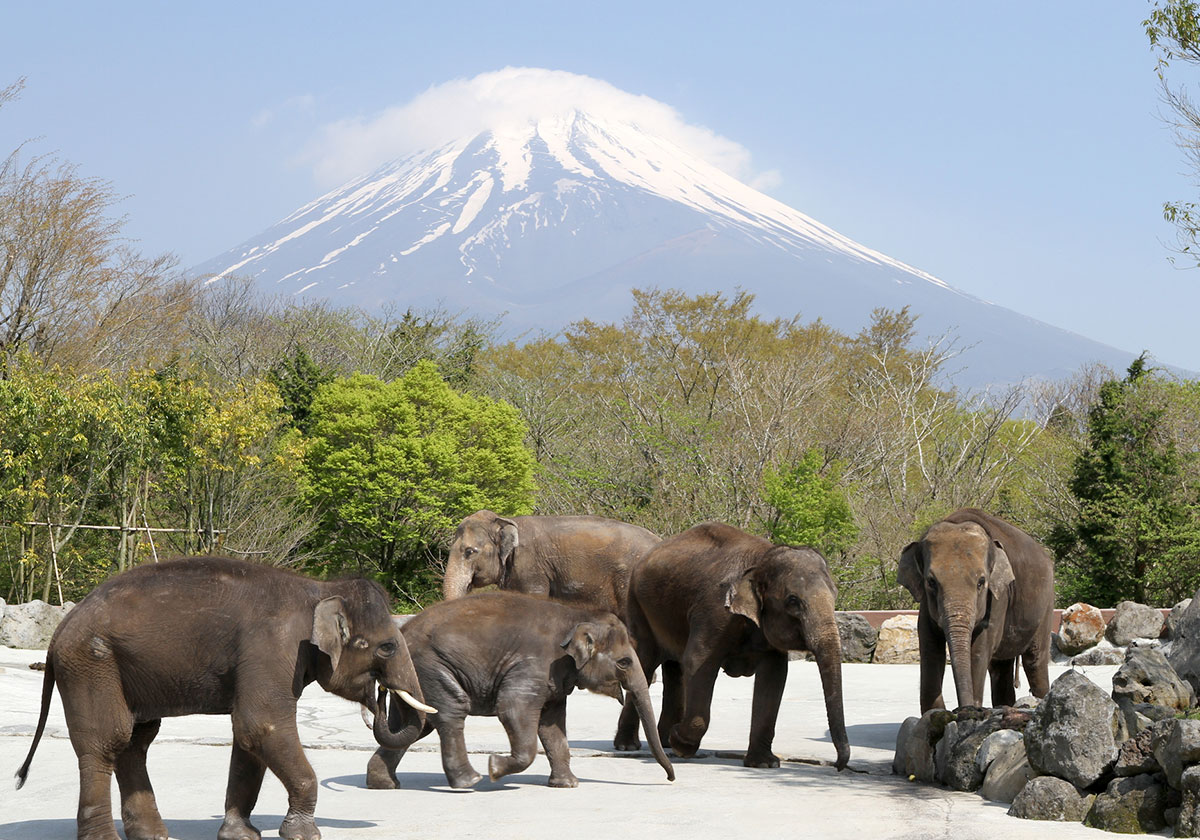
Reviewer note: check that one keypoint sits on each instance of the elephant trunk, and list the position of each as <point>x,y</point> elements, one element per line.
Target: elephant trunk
<point>637,687</point>
<point>826,647</point>
<point>959,639</point>
<point>397,728</point>
<point>457,580</point>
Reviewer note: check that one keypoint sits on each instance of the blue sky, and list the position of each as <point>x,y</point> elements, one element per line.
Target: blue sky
<point>1014,150</point>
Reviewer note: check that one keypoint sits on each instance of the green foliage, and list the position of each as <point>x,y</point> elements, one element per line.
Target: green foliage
<point>1137,531</point>
<point>393,466</point>
<point>297,377</point>
<point>808,507</point>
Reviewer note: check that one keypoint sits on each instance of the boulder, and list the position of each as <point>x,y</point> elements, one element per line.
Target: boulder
<point>1134,621</point>
<point>1135,756</point>
<point>1051,798</point>
<point>1007,773</point>
<point>30,625</point>
<point>1082,627</point>
<point>1188,822</point>
<point>903,738</point>
<point>1071,734</point>
<point>920,744</point>
<point>1133,805</point>
<point>1172,624</point>
<point>1184,655</point>
<point>897,644</point>
<point>1147,677</point>
<point>956,757</point>
<point>1102,654</point>
<point>1176,747</point>
<point>994,744</point>
<point>858,637</point>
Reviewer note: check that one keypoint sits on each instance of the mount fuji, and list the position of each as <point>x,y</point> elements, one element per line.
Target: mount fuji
<point>552,219</point>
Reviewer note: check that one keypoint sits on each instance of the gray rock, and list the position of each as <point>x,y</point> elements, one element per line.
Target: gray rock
<point>1051,798</point>
<point>30,625</point>
<point>957,754</point>
<point>1139,716</point>
<point>1134,621</point>
<point>1102,654</point>
<point>994,744</point>
<point>1134,805</point>
<point>921,744</point>
<point>1071,734</point>
<point>1057,656</point>
<point>898,644</point>
<point>858,637</point>
<point>1135,756</point>
<point>1147,677</point>
<point>1176,746</point>
<point>1172,623</point>
<point>1007,773</point>
<point>1081,627</point>
<point>1184,655</point>
<point>903,737</point>
<point>1187,824</point>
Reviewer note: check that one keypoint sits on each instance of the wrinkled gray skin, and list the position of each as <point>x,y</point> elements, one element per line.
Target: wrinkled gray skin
<point>986,588</point>
<point>516,657</point>
<point>210,635</point>
<point>583,560</point>
<point>714,598</point>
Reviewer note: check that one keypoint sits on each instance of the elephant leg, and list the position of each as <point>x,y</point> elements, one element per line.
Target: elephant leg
<point>246,772</point>
<point>100,726</point>
<point>672,700</point>
<point>699,675</point>
<point>769,680</point>
<point>459,772</point>
<point>626,739</point>
<point>517,719</point>
<point>1002,673</point>
<point>280,750</point>
<point>139,811</point>
<point>381,767</point>
<point>1036,659</point>
<point>552,732</point>
<point>932,644</point>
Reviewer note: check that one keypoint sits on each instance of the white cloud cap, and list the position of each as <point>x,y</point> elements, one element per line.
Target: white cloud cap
<point>508,99</point>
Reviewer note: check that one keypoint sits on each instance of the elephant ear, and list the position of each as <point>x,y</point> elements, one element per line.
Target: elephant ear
<point>508,547</point>
<point>1000,576</point>
<point>741,596</point>
<point>581,644</point>
<point>911,572</point>
<point>331,630</point>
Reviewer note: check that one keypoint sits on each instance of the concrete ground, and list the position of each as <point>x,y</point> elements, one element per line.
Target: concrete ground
<point>619,795</point>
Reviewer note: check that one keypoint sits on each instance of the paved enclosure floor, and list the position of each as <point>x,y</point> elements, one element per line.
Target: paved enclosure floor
<point>619,794</point>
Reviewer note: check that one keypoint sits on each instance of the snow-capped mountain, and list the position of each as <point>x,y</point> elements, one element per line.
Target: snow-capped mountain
<point>555,219</point>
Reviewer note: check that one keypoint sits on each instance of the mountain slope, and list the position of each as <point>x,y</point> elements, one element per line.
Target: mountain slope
<point>555,220</point>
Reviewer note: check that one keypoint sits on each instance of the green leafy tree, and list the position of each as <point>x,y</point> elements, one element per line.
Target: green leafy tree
<point>808,507</point>
<point>298,377</point>
<point>391,467</point>
<point>1135,535</point>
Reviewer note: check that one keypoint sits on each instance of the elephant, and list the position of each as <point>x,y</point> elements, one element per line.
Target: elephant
<point>715,597</point>
<point>212,635</point>
<point>987,588</point>
<point>582,560</point>
<point>516,657</point>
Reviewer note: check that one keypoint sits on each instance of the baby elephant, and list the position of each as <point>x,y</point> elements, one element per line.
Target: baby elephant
<point>516,657</point>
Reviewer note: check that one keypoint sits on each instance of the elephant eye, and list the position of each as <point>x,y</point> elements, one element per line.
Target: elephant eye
<point>982,581</point>
<point>469,550</point>
<point>387,649</point>
<point>931,584</point>
<point>624,662</point>
<point>792,602</point>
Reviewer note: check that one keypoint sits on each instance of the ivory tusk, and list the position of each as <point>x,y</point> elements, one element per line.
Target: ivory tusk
<point>414,702</point>
<point>366,716</point>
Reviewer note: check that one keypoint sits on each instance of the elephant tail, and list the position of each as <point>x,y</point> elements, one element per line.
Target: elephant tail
<point>47,692</point>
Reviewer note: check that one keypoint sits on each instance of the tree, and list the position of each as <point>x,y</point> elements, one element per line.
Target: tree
<point>1137,532</point>
<point>1173,28</point>
<point>391,467</point>
<point>809,508</point>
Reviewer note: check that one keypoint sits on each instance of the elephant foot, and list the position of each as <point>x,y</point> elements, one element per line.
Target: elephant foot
<point>626,743</point>
<point>235,828</point>
<point>462,781</point>
<point>681,745</point>
<point>563,780</point>
<point>761,758</point>
<point>299,827</point>
<point>380,776</point>
<point>143,827</point>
